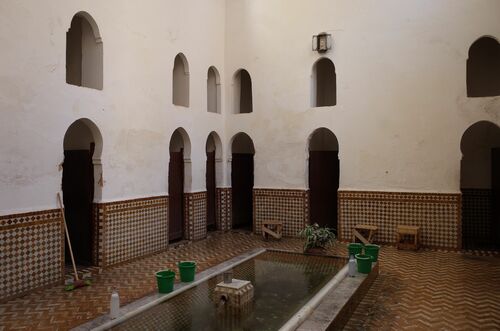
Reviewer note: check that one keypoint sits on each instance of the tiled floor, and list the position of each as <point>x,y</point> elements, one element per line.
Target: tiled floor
<point>425,290</point>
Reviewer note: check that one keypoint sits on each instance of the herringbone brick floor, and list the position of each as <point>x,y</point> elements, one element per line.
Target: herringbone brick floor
<point>428,290</point>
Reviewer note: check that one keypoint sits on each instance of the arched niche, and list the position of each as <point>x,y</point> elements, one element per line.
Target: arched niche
<point>480,186</point>
<point>483,68</point>
<point>180,81</point>
<point>84,52</point>
<point>323,177</point>
<point>213,90</point>
<point>242,87</point>
<point>82,187</point>
<point>242,181</point>
<point>323,83</point>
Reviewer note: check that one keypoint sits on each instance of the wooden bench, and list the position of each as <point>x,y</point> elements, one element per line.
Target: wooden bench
<point>411,231</point>
<point>364,233</point>
<point>272,228</point>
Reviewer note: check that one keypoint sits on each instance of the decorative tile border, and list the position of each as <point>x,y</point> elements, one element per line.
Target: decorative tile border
<point>195,215</point>
<point>31,252</point>
<point>224,220</point>
<point>131,229</point>
<point>438,215</point>
<point>289,206</point>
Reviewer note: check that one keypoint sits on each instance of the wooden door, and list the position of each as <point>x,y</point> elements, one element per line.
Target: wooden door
<point>495,196</point>
<point>323,187</point>
<point>176,196</point>
<point>78,196</point>
<point>242,187</point>
<point>210,182</point>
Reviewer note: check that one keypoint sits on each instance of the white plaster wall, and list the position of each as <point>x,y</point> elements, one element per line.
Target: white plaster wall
<point>401,94</point>
<point>134,111</point>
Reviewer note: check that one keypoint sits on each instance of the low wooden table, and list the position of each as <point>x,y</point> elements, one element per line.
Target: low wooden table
<point>408,230</point>
<point>364,233</point>
<point>272,228</point>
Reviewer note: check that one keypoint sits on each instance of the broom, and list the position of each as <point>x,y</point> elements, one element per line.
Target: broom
<point>78,282</point>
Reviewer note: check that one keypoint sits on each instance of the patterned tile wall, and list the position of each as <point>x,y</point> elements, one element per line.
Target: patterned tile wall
<point>96,232</point>
<point>195,215</point>
<point>476,217</point>
<point>31,252</point>
<point>289,206</point>
<point>224,213</point>
<point>438,215</point>
<point>132,228</point>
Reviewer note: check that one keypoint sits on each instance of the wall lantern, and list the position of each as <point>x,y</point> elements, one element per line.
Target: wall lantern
<point>322,42</point>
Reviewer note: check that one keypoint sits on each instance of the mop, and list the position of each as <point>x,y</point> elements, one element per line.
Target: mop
<point>77,282</point>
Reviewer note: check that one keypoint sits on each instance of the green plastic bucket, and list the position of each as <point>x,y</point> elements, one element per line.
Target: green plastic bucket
<point>364,263</point>
<point>187,270</point>
<point>355,248</point>
<point>165,280</point>
<point>372,250</point>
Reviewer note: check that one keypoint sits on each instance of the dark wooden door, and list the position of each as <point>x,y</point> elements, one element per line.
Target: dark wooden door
<point>495,196</point>
<point>242,187</point>
<point>176,196</point>
<point>210,179</point>
<point>78,196</point>
<point>323,187</point>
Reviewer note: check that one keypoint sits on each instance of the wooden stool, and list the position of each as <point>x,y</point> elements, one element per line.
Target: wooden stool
<point>362,231</point>
<point>408,230</point>
<point>272,228</point>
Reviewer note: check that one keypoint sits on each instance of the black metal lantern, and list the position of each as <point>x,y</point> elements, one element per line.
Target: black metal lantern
<point>322,42</point>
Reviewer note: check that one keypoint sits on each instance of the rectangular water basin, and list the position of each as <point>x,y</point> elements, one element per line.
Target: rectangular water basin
<point>283,282</point>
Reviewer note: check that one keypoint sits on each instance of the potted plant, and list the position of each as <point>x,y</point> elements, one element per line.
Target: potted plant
<point>317,238</point>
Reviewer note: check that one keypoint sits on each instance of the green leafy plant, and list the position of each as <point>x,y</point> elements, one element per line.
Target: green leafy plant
<point>316,236</point>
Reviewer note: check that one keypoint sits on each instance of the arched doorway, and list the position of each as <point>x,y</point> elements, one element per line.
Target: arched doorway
<point>180,148</point>
<point>242,179</point>
<point>214,152</point>
<point>480,186</point>
<point>81,170</point>
<point>324,173</point>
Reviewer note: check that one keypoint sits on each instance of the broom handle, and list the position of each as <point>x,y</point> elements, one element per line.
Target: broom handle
<point>67,235</point>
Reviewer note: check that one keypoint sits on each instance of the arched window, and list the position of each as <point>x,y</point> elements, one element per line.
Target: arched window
<point>483,68</point>
<point>180,84</point>
<point>213,91</point>
<point>84,52</point>
<point>242,92</point>
<point>323,84</point>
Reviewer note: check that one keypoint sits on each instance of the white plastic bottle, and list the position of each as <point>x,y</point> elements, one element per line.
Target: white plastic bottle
<point>114,305</point>
<point>352,266</point>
